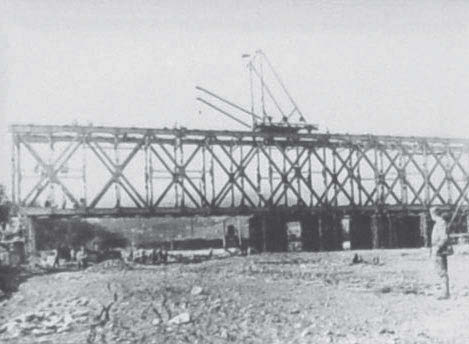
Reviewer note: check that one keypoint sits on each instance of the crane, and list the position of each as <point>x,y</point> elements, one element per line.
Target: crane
<point>273,109</point>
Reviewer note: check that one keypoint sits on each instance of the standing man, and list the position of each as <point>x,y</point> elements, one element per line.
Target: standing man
<point>441,248</point>
<point>56,257</point>
<point>73,254</point>
<point>81,258</point>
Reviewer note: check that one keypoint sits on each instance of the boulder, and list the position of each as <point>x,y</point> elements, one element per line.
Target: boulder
<point>180,319</point>
<point>196,290</point>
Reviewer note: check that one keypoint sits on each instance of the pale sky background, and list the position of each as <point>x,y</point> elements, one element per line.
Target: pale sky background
<point>381,67</point>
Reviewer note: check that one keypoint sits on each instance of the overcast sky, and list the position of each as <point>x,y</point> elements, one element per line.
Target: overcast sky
<point>382,67</point>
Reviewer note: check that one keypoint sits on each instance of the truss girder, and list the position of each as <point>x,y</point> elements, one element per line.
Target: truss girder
<point>180,168</point>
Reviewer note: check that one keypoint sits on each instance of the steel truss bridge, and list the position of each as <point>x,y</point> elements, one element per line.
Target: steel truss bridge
<point>111,171</point>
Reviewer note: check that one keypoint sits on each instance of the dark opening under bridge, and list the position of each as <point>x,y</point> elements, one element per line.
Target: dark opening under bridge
<point>111,171</point>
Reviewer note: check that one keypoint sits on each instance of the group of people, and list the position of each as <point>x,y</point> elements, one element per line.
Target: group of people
<point>154,256</point>
<point>80,256</point>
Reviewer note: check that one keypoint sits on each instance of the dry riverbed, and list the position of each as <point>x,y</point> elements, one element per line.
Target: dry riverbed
<point>390,297</point>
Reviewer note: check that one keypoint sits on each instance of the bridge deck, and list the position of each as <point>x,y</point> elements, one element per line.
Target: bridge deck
<point>181,212</point>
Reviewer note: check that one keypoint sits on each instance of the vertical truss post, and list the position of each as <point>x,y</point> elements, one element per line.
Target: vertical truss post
<point>335,178</point>
<point>181,170</point>
<point>448,176</point>
<point>382,176</point>
<point>359,181</point>
<point>271,176</point>
<point>212,179</point>
<point>377,176</point>
<point>259,176</point>
<point>425,176</point>
<point>324,174</point>
<point>203,179</point>
<point>13,170</point>
<point>310,178</point>
<point>83,173</point>
<point>284,175</point>
<point>241,172</point>
<point>350,172</point>
<point>50,163</point>
<point>116,161</point>
<point>466,179</point>
<point>151,177</point>
<point>175,173</point>
<point>298,170</point>
<point>20,172</point>
<point>402,177</point>
<point>147,170</point>
<point>232,177</point>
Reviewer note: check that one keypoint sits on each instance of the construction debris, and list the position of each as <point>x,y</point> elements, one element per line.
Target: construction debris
<point>48,318</point>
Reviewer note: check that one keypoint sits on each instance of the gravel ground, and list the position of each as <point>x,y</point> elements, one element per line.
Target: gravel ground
<point>271,298</point>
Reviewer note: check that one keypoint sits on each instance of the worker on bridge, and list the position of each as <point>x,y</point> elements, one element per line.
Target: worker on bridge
<point>441,248</point>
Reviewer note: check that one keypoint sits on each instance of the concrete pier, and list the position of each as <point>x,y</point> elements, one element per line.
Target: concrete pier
<point>310,232</point>
<point>380,232</point>
<point>321,231</point>
<point>407,230</point>
<point>330,231</point>
<point>425,228</point>
<point>268,233</point>
<point>360,231</point>
<point>30,235</point>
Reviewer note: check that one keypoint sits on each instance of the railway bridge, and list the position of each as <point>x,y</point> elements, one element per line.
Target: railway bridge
<point>383,185</point>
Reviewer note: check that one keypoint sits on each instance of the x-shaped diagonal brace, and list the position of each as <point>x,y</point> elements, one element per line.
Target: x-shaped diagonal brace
<point>233,177</point>
<point>51,171</point>
<point>183,175</point>
<point>117,175</point>
<point>287,183</point>
<point>333,176</point>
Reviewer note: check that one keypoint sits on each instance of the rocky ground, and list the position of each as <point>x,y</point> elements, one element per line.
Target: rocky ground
<point>390,297</point>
